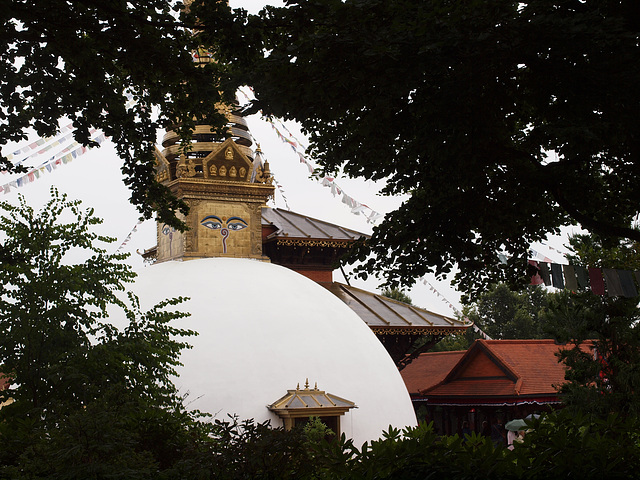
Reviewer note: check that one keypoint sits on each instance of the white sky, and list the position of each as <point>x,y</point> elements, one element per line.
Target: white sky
<point>95,179</point>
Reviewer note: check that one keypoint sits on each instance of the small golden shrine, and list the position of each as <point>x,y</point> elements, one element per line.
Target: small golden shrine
<point>297,406</point>
<point>225,186</point>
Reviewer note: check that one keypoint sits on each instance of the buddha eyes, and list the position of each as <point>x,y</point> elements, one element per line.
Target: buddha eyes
<point>224,225</point>
<point>212,225</point>
<point>217,223</point>
<point>167,230</point>
<point>236,226</point>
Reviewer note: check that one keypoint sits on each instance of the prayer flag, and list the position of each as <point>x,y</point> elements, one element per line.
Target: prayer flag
<point>556,272</point>
<point>628,287</point>
<point>571,281</point>
<point>597,283</point>
<point>544,273</point>
<point>582,276</point>
<point>614,287</point>
<point>536,279</point>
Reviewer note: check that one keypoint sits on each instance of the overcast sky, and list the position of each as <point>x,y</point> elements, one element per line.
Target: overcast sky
<point>95,179</point>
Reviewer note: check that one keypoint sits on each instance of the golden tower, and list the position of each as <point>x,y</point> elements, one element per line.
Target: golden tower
<point>225,186</point>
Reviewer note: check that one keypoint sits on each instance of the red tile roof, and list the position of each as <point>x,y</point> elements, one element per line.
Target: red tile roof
<point>429,369</point>
<point>505,370</point>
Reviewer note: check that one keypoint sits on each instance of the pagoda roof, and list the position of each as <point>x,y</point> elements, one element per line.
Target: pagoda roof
<point>387,316</point>
<point>294,226</point>
<point>310,400</point>
<point>491,372</point>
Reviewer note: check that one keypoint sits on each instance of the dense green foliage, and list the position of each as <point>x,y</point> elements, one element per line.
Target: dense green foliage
<point>122,67</point>
<point>606,379</point>
<point>599,382</point>
<point>90,400</point>
<point>560,445</point>
<point>96,402</point>
<point>457,105</point>
<point>504,314</point>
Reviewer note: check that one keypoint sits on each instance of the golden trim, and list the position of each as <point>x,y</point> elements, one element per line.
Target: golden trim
<point>313,243</point>
<point>417,330</point>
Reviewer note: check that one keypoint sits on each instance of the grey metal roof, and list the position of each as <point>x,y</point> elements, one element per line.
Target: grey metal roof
<point>294,225</point>
<point>385,315</point>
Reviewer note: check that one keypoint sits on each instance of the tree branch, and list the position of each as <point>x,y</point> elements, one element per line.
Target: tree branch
<point>591,223</point>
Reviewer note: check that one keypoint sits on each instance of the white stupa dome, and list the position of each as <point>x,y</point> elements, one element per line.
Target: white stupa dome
<point>263,329</point>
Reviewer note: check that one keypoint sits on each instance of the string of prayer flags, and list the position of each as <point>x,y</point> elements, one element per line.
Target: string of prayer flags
<point>70,153</point>
<point>281,190</point>
<point>128,237</point>
<point>564,254</point>
<point>36,144</point>
<point>355,206</point>
<point>611,281</point>
<point>539,255</point>
<point>455,310</point>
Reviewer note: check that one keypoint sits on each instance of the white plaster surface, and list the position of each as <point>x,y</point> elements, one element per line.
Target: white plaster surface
<point>263,329</point>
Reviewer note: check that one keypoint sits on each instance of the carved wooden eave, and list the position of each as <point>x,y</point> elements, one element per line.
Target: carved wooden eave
<point>231,191</point>
<point>163,168</point>
<point>227,155</point>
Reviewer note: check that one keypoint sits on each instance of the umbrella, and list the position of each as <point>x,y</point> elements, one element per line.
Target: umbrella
<point>515,425</point>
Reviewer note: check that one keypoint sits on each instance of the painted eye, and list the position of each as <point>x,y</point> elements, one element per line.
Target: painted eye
<point>236,226</point>
<point>212,225</point>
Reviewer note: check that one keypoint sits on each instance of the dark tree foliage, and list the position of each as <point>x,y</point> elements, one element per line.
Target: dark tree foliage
<point>560,444</point>
<point>86,399</point>
<point>606,379</point>
<point>248,450</point>
<point>123,67</point>
<point>504,314</point>
<point>457,103</point>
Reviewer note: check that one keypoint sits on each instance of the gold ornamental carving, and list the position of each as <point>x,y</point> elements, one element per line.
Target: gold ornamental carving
<point>311,243</point>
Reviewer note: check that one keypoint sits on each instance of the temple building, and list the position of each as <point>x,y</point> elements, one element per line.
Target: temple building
<point>273,344</point>
<point>229,176</point>
<point>492,380</point>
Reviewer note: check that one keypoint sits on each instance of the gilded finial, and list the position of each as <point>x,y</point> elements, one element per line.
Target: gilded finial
<point>316,387</point>
<point>306,384</point>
